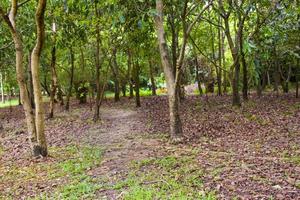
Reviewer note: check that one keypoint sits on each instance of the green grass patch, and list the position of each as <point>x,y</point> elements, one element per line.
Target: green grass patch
<point>170,177</point>
<point>68,173</point>
<point>143,93</point>
<point>13,102</point>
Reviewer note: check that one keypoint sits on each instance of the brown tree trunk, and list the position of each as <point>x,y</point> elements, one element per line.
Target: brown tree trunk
<point>219,70</point>
<point>98,66</point>
<point>136,73</point>
<point>41,149</point>
<point>175,121</point>
<point>53,77</point>
<point>29,81</point>
<point>29,115</point>
<point>297,77</point>
<point>153,85</point>
<point>2,87</point>
<point>297,89</point>
<point>245,69</point>
<point>60,95</point>
<point>234,48</point>
<point>198,76</point>
<point>115,69</point>
<point>235,55</point>
<point>71,80</point>
<point>129,74</point>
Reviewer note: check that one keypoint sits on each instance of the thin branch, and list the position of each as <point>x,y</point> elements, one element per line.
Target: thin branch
<point>212,23</point>
<point>7,45</point>
<point>23,3</point>
<point>206,56</point>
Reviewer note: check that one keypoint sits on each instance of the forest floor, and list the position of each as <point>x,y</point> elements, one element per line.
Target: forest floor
<point>251,152</point>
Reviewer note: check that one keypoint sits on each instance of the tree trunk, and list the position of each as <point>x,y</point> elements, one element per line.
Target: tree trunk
<point>29,115</point>
<point>53,77</point>
<point>198,77</point>
<point>297,89</point>
<point>245,70</point>
<point>234,48</point>
<point>129,75</point>
<point>297,76</point>
<point>2,87</point>
<point>97,65</point>
<point>219,70</point>
<point>137,84</point>
<point>153,85</point>
<point>175,121</point>
<point>29,81</point>
<point>60,95</point>
<point>41,149</point>
<point>115,69</point>
<point>71,80</point>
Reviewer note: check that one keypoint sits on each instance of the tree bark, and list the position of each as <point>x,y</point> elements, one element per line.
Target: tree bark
<point>2,87</point>
<point>53,77</point>
<point>137,83</point>
<point>245,68</point>
<point>235,55</point>
<point>29,115</point>
<point>97,67</point>
<point>29,81</point>
<point>175,121</point>
<point>129,74</point>
<point>297,89</point>
<point>71,80</point>
<point>153,85</point>
<point>41,149</point>
<point>219,70</point>
<point>198,76</point>
<point>115,69</point>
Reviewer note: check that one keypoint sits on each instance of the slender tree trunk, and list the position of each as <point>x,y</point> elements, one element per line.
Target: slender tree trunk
<point>224,61</point>
<point>198,76</point>
<point>297,77</point>
<point>219,70</point>
<point>235,55</point>
<point>35,63</point>
<point>71,80</point>
<point>29,81</point>
<point>298,59</point>
<point>129,74</point>
<point>115,69</point>
<point>234,48</point>
<point>153,85</point>
<point>97,65</point>
<point>137,83</point>
<point>124,89</point>
<point>53,77</point>
<point>297,88</point>
<point>245,70</point>
<point>2,87</point>
<point>175,121</point>
<point>60,95</point>
<point>29,115</point>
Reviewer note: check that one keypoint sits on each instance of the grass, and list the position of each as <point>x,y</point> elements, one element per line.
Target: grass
<point>13,102</point>
<point>169,177</point>
<point>68,174</point>
<point>143,93</point>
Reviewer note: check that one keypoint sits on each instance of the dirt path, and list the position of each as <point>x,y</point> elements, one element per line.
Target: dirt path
<point>122,136</point>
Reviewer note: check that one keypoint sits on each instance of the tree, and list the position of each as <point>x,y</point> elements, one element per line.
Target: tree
<point>173,79</point>
<point>35,126</point>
